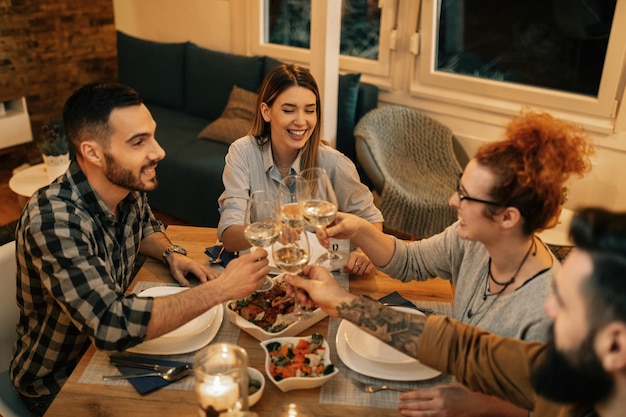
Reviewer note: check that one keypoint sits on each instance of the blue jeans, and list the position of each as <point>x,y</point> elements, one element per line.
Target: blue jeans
<point>38,405</point>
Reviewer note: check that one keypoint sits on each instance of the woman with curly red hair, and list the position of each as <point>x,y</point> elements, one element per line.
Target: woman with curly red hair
<point>502,271</point>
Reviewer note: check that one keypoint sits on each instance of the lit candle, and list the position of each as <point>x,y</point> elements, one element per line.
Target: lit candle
<point>219,392</point>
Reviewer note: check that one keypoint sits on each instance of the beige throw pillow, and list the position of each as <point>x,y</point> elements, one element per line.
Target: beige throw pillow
<point>236,119</point>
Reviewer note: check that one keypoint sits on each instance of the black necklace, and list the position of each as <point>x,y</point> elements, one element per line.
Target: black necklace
<point>471,313</point>
<point>512,280</point>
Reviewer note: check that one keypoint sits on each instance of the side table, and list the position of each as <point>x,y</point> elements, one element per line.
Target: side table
<point>25,182</point>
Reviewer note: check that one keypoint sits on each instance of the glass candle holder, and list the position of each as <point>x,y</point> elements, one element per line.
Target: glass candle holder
<point>221,372</point>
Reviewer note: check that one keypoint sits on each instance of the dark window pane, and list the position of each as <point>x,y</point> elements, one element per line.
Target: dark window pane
<point>290,24</point>
<point>556,44</point>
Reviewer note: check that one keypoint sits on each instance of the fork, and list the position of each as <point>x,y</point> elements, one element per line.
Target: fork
<point>217,259</point>
<point>375,388</point>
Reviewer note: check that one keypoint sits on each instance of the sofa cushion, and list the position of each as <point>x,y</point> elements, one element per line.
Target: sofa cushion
<point>236,120</point>
<point>269,64</point>
<point>346,112</point>
<point>154,69</point>
<point>211,75</point>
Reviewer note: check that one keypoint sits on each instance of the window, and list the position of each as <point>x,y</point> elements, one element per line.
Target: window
<point>559,44</point>
<point>284,29</point>
<point>561,54</point>
<point>289,23</point>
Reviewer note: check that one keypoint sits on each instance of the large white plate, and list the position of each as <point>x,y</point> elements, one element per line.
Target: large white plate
<point>192,327</point>
<point>372,348</point>
<point>178,345</point>
<point>393,372</point>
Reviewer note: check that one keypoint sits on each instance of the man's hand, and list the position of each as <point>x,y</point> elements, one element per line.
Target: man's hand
<point>244,275</point>
<point>181,266</point>
<point>322,288</point>
<point>454,400</point>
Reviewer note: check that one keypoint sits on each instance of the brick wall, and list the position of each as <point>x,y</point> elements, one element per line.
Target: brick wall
<point>48,48</point>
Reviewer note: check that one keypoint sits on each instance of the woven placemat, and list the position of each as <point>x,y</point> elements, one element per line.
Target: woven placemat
<point>341,390</point>
<point>99,364</point>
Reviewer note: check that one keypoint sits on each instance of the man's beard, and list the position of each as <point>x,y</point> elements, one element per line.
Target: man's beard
<point>125,178</point>
<point>577,379</point>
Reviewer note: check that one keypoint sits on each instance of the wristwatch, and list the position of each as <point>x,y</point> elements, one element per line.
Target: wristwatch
<point>171,249</point>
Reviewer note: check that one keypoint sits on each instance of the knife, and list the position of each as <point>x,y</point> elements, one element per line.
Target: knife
<point>116,360</point>
<point>426,311</point>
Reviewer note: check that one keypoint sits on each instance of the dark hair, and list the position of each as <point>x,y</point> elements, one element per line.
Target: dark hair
<point>532,163</point>
<point>86,113</point>
<point>602,234</point>
<point>275,82</point>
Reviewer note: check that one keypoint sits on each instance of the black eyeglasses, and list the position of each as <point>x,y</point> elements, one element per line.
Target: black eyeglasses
<point>463,196</point>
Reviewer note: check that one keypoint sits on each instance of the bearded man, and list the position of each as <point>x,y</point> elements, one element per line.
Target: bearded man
<point>77,247</point>
<point>581,372</point>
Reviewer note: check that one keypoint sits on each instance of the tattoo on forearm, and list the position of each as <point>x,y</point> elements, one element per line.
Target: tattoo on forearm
<point>396,328</point>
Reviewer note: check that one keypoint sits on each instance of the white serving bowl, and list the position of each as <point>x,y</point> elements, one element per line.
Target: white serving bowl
<point>258,376</point>
<point>294,382</point>
<point>260,334</point>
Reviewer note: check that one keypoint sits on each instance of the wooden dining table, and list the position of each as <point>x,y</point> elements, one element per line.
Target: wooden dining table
<point>84,399</point>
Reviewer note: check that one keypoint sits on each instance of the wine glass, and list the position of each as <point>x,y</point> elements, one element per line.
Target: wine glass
<point>261,224</point>
<point>318,204</point>
<point>286,199</point>
<point>291,253</point>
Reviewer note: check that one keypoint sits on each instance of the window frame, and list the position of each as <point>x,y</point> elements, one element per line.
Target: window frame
<point>505,96</point>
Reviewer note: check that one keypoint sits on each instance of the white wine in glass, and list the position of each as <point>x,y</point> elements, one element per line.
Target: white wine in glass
<point>318,204</point>
<point>286,199</point>
<point>261,226</point>
<point>291,252</point>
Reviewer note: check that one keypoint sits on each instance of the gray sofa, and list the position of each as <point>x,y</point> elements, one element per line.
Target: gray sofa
<point>186,87</point>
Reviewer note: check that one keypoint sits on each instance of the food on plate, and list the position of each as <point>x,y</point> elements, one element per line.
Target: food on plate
<point>262,308</point>
<point>304,359</point>
<point>253,386</point>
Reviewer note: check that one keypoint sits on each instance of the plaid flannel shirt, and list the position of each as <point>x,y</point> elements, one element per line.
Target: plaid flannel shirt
<point>75,260</point>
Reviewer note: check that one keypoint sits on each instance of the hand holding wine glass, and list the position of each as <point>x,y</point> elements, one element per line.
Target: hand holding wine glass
<point>318,204</point>
<point>291,252</point>
<point>261,224</point>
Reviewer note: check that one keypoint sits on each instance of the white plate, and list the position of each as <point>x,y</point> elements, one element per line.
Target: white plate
<point>372,348</point>
<point>175,346</point>
<point>393,372</point>
<point>192,327</point>
<point>260,334</point>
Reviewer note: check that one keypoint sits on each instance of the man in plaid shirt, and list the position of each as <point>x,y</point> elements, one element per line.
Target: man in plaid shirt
<point>78,242</point>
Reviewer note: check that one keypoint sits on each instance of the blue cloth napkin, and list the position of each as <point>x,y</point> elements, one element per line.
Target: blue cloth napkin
<point>395,298</point>
<point>217,251</point>
<point>146,384</point>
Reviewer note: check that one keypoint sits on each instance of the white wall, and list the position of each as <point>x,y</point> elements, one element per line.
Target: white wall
<point>211,24</point>
<point>204,22</point>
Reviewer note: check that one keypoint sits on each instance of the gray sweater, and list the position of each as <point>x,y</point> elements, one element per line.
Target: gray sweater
<point>519,314</point>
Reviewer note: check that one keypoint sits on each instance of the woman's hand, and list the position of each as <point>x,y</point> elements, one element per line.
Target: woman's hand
<point>358,263</point>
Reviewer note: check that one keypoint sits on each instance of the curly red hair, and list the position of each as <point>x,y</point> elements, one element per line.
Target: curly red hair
<point>532,164</point>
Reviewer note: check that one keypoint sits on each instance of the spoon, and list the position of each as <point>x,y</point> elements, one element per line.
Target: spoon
<point>174,374</point>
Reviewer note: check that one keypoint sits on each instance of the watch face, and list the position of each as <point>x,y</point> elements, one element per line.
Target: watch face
<point>174,248</point>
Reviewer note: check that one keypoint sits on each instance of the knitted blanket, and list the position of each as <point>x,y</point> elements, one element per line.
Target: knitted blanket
<point>416,157</point>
